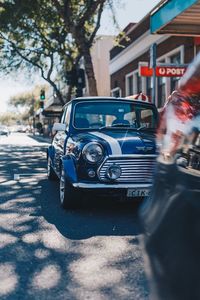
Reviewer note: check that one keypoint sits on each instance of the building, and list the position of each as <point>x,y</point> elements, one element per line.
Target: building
<point>100,59</point>
<point>125,61</point>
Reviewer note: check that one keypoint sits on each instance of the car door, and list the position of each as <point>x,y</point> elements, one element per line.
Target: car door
<point>60,138</point>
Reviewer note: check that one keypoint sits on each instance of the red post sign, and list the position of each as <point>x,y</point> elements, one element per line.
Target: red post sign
<point>145,71</point>
<point>163,71</point>
<point>170,71</point>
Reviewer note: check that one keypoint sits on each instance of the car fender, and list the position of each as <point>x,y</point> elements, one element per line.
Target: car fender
<point>69,168</point>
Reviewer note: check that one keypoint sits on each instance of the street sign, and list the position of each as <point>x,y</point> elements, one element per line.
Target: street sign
<point>145,71</point>
<point>170,71</point>
<point>162,71</point>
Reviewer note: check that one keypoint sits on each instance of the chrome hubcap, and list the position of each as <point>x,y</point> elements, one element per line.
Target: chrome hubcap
<point>48,166</point>
<point>62,186</point>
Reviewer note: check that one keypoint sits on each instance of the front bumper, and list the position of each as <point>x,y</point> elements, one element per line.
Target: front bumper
<point>120,186</point>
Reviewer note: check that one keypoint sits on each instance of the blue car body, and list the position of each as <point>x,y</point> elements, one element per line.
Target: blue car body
<point>126,153</point>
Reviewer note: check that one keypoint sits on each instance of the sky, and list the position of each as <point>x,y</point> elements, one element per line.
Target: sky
<point>127,11</point>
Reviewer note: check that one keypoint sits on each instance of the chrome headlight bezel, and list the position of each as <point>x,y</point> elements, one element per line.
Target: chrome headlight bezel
<point>88,147</point>
<point>113,172</point>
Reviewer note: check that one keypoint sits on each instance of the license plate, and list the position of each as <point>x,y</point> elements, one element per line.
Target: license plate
<point>138,192</point>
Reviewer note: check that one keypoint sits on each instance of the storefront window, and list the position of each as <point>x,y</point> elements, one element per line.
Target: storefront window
<point>149,87</point>
<point>197,48</point>
<point>161,91</point>
<point>175,59</point>
<point>130,85</point>
<point>139,83</point>
<point>116,92</point>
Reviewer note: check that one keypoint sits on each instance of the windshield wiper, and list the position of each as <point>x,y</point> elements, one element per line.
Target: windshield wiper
<point>147,128</point>
<point>142,127</point>
<point>121,125</point>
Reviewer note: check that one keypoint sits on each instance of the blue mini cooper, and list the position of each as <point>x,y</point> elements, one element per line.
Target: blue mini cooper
<point>106,145</point>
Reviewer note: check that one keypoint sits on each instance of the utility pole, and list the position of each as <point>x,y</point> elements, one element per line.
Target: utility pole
<point>153,66</point>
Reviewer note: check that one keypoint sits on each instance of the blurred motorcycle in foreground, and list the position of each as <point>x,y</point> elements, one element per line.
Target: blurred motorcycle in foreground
<point>171,214</point>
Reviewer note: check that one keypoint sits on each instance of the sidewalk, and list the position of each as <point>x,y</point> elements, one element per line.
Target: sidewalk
<point>41,138</point>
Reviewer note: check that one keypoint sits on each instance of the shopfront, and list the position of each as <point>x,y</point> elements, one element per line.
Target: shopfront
<point>171,49</point>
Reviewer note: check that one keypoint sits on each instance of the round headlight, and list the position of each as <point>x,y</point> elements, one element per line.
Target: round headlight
<point>113,172</point>
<point>92,152</point>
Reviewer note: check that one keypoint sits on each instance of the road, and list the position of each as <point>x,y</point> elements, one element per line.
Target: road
<point>48,253</point>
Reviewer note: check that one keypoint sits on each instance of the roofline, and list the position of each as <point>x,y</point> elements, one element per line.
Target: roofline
<point>156,7</point>
<point>136,25</point>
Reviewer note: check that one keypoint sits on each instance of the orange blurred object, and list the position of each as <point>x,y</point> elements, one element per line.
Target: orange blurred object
<point>139,96</point>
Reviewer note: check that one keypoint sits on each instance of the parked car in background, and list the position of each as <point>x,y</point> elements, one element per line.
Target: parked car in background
<point>4,130</point>
<point>104,145</point>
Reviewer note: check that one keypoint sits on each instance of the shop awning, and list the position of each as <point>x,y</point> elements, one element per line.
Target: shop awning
<point>51,114</point>
<point>176,17</point>
<point>52,108</point>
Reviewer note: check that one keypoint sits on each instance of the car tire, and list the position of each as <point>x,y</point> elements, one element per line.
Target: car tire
<point>50,171</point>
<point>69,197</point>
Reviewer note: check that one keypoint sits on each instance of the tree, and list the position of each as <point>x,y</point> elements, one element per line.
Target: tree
<point>82,20</point>
<point>27,103</point>
<point>10,118</point>
<point>32,35</point>
<point>50,36</point>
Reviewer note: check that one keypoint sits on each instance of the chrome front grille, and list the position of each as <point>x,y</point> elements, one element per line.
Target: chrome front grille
<point>134,169</point>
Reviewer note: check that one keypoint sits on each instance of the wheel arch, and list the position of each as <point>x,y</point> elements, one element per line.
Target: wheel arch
<point>69,167</point>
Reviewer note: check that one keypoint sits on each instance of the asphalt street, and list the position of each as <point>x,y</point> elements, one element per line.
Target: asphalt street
<point>47,253</point>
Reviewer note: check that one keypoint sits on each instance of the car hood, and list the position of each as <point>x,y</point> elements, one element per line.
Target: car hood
<point>119,142</point>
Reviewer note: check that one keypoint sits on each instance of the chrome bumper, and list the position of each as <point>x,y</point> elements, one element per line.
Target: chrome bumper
<point>110,186</point>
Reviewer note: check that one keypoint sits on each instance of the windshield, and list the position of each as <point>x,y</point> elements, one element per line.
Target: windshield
<point>114,114</point>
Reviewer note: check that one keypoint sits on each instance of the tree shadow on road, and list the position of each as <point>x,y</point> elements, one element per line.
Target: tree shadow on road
<point>105,217</point>
<point>48,253</point>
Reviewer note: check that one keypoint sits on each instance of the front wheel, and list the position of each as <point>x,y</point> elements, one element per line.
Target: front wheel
<point>50,171</point>
<point>69,197</point>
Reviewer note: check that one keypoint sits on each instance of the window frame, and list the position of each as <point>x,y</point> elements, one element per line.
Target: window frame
<point>67,116</point>
<point>116,90</point>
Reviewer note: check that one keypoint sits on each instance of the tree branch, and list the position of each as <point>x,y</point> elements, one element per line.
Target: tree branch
<point>97,23</point>
<point>90,11</point>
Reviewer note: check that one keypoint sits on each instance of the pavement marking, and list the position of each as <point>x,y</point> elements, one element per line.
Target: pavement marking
<point>18,176</point>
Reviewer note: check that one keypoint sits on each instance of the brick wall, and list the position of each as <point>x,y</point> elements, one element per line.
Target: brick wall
<point>118,78</point>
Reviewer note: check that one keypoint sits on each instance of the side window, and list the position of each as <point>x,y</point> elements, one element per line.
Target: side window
<point>67,115</point>
<point>147,118</point>
<point>175,59</point>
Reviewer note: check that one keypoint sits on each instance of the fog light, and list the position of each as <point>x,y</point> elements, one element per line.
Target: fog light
<point>113,172</point>
<point>91,173</point>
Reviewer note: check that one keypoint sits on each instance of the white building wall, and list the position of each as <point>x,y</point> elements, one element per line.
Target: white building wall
<point>100,58</point>
<point>135,50</point>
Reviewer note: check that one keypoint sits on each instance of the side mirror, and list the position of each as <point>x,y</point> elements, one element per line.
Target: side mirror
<point>59,127</point>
